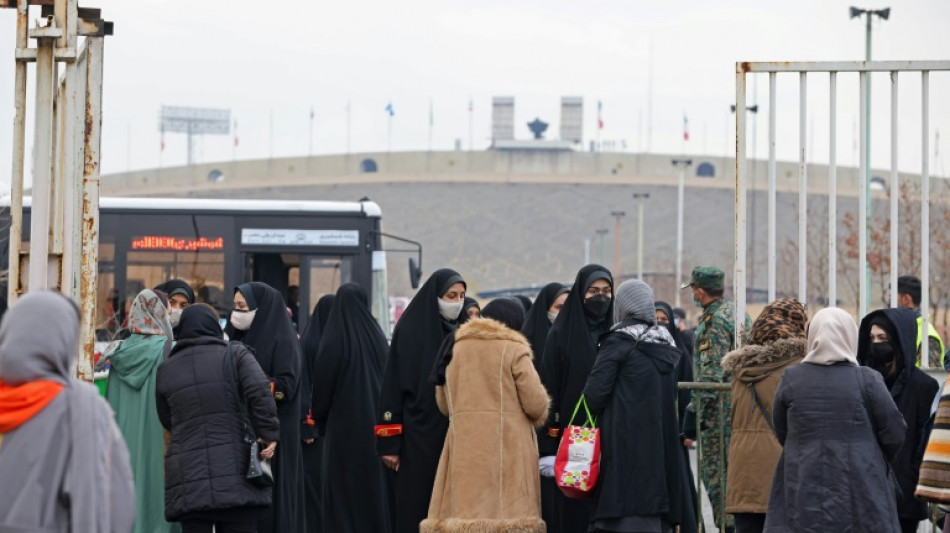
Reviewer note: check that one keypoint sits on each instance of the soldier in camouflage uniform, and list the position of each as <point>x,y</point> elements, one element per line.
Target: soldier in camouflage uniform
<point>715,337</point>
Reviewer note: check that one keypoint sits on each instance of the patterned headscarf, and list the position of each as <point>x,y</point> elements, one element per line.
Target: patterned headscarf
<point>782,319</point>
<point>149,316</point>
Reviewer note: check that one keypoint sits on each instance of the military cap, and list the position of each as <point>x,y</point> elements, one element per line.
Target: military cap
<point>706,277</point>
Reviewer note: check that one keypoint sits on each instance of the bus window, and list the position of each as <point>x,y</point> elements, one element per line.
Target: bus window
<point>203,270</point>
<point>326,274</point>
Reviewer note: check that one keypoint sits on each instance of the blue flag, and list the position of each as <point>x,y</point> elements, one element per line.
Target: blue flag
<point>389,109</point>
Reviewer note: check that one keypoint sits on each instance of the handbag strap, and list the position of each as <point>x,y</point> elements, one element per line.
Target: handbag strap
<point>591,421</point>
<point>762,409</point>
<point>237,387</point>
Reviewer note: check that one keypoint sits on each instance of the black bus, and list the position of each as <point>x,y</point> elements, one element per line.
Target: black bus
<point>306,249</point>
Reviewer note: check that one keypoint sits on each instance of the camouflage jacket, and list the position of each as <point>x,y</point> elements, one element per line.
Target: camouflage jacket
<point>715,337</point>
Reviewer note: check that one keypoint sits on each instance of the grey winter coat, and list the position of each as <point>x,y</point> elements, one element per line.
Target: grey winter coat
<point>832,475</point>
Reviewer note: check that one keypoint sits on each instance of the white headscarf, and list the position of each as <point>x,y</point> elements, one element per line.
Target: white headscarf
<point>832,338</point>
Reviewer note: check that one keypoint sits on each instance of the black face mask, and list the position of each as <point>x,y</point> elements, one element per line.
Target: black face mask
<point>881,355</point>
<point>597,305</point>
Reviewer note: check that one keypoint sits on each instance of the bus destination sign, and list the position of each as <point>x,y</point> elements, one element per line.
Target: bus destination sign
<point>178,244</point>
<point>300,237</point>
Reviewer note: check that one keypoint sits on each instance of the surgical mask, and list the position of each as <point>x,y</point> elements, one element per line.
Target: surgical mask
<point>551,316</point>
<point>450,310</point>
<point>697,303</point>
<point>174,316</point>
<point>241,320</point>
<point>598,305</point>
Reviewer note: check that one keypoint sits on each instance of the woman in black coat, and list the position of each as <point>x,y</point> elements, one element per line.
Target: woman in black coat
<point>260,320</point>
<point>410,428</point>
<point>836,438</point>
<point>347,376</point>
<point>199,402</point>
<point>887,342</point>
<point>633,386</point>
<point>312,442</point>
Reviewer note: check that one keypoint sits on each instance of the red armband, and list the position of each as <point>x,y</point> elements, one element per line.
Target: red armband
<point>388,430</point>
<point>554,432</point>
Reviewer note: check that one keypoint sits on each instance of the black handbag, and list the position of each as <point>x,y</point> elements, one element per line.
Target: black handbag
<point>259,471</point>
<point>891,476</point>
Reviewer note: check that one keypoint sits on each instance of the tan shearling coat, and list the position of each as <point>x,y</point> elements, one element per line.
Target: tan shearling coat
<point>488,474</point>
<point>754,450</point>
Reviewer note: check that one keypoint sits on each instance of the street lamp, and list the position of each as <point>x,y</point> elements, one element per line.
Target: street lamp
<point>754,109</point>
<point>682,165</point>
<point>884,14</point>
<point>617,215</point>
<point>601,232</point>
<point>640,197</point>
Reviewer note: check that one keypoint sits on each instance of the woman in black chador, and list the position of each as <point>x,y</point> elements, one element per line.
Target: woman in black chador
<point>312,442</point>
<point>260,321</point>
<point>410,428</point>
<point>568,358</point>
<point>347,377</point>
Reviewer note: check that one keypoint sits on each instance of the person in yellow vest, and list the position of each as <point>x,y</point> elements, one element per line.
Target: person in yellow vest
<point>908,296</point>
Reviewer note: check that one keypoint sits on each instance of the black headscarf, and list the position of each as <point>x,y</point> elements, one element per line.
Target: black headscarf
<point>351,329</point>
<point>468,304</point>
<point>671,326</point>
<point>197,322</point>
<point>316,326</point>
<point>536,325</point>
<point>177,286</point>
<point>523,301</point>
<point>507,311</point>
<point>577,328</point>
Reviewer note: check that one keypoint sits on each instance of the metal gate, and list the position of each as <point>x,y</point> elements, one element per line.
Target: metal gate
<point>64,221</point>
<point>863,69</point>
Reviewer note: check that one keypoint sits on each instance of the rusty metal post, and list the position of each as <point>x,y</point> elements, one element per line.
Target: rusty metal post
<point>739,280</point>
<point>19,138</point>
<point>90,203</point>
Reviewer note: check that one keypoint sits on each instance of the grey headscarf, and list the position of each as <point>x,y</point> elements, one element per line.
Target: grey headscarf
<point>85,475</point>
<point>634,299</point>
<point>38,339</point>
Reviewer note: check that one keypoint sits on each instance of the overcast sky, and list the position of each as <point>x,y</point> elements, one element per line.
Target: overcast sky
<point>271,63</point>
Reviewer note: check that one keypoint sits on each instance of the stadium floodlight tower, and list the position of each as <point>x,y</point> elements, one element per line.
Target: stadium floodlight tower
<point>194,121</point>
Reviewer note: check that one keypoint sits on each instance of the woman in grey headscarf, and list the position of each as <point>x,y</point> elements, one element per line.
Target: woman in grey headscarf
<point>64,463</point>
<point>131,393</point>
<point>838,427</point>
<point>633,386</point>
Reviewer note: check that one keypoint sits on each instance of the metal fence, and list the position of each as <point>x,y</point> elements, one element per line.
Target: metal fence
<point>863,69</point>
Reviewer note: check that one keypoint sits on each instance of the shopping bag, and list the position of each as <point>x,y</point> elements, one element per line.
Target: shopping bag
<point>577,465</point>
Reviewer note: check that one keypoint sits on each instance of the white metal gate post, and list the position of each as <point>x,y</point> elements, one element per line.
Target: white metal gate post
<point>833,68</point>
<point>65,206</point>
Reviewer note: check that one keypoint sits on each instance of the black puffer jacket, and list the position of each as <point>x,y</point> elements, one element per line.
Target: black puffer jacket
<point>197,400</point>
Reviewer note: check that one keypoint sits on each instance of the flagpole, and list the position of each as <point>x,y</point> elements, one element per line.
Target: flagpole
<point>430,124</point>
<point>348,122</point>
<point>310,148</point>
<point>471,130</point>
<point>600,124</point>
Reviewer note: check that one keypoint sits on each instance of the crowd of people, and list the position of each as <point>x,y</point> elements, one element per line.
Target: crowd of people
<point>454,424</point>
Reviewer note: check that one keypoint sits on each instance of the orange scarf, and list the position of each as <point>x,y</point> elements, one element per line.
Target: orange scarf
<point>21,403</point>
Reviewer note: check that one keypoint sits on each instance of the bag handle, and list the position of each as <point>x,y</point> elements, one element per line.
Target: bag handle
<point>591,421</point>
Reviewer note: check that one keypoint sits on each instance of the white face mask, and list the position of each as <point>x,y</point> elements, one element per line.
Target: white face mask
<point>242,320</point>
<point>174,316</point>
<point>551,316</point>
<point>450,310</point>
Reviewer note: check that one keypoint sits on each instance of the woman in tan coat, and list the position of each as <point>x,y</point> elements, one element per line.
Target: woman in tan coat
<point>777,341</point>
<point>487,385</point>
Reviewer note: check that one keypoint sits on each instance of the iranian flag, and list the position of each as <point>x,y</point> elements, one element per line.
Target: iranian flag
<point>685,128</point>
<point>600,120</point>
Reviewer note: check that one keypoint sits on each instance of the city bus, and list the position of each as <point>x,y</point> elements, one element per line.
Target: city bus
<point>304,249</point>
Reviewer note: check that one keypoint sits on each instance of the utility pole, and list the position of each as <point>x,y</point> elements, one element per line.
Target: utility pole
<point>617,216</point>
<point>640,197</point>
<point>682,165</point>
<point>884,14</point>
<point>601,232</point>
<point>586,251</point>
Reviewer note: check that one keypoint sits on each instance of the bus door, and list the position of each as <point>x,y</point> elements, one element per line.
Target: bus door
<point>302,279</point>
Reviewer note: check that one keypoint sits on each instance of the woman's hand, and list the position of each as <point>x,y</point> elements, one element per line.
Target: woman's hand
<point>269,448</point>
<point>391,462</point>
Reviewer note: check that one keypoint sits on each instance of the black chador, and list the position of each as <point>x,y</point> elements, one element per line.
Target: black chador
<point>348,374</point>
<point>275,345</point>
<point>568,358</point>
<point>409,423</point>
<point>536,322</point>
<point>313,451</point>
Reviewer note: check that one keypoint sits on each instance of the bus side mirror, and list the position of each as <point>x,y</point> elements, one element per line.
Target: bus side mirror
<point>415,273</point>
